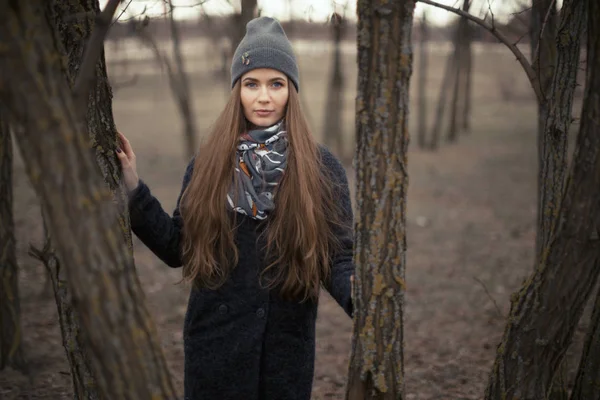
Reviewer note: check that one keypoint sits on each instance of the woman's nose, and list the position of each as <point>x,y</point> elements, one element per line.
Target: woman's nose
<point>263,96</point>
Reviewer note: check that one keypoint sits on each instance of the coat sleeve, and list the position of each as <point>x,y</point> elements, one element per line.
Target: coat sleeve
<point>342,266</point>
<point>160,232</point>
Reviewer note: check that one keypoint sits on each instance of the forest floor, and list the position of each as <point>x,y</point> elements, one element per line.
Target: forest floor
<point>470,230</point>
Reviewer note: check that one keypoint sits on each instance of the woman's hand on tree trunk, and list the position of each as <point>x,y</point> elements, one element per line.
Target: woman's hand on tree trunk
<point>126,156</point>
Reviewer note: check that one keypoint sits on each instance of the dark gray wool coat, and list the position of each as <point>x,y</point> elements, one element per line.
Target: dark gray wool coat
<point>241,341</point>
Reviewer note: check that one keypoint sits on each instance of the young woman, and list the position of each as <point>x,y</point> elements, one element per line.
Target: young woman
<point>263,220</point>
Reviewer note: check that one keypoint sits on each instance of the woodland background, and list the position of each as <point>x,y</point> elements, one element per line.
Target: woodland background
<point>471,205</point>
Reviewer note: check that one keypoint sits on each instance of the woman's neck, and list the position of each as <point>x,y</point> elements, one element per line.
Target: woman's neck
<point>251,127</point>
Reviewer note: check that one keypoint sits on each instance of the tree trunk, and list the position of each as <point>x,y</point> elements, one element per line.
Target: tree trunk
<point>385,67</point>
<point>587,380</point>
<point>100,128</point>
<point>458,93</point>
<point>452,127</point>
<point>422,83</point>
<point>84,383</point>
<point>238,30</point>
<point>333,112</point>
<point>181,88</point>
<point>588,374</point>
<point>84,222</point>
<point>74,22</point>
<point>554,120</point>
<point>555,142</point>
<point>558,119</point>
<point>543,58</point>
<point>547,309</point>
<point>248,11</point>
<point>11,335</point>
<point>441,104</point>
<point>467,71</point>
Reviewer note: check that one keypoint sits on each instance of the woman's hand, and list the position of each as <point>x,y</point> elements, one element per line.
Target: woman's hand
<point>127,158</point>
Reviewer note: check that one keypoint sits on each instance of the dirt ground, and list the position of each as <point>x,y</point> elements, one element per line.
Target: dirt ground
<point>470,227</point>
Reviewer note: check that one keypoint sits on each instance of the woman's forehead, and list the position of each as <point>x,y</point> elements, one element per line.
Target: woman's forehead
<point>264,73</point>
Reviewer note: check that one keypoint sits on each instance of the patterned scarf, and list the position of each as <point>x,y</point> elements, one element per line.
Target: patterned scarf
<point>261,160</point>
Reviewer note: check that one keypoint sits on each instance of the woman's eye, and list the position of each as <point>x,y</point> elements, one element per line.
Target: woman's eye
<point>250,84</point>
<point>278,84</point>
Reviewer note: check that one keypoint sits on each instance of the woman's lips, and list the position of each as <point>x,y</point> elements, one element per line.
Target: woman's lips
<point>263,113</point>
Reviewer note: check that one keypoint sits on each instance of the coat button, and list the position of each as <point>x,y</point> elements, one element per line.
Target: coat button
<point>223,309</point>
<point>260,313</point>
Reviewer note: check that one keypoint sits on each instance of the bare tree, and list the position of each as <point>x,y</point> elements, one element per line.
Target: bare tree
<point>248,11</point>
<point>441,104</point>
<point>177,75</point>
<point>457,75</point>
<point>333,129</point>
<point>467,75</point>
<point>237,31</point>
<point>548,307</point>
<point>422,82</point>
<point>74,24</point>
<point>459,81</point>
<point>538,332</point>
<point>11,336</point>
<point>86,226</point>
<point>377,363</point>
<point>180,87</point>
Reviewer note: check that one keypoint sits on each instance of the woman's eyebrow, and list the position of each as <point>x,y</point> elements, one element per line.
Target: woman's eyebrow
<point>279,78</point>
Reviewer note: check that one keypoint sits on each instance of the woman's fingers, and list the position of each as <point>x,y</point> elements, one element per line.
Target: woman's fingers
<point>123,158</point>
<point>126,146</point>
<point>127,158</point>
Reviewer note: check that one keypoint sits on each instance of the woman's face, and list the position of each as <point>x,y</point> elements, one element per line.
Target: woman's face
<point>264,95</point>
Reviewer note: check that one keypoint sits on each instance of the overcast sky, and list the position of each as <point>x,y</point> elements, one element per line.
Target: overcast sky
<point>317,10</point>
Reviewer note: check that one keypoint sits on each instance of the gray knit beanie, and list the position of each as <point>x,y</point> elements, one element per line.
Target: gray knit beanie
<point>264,46</point>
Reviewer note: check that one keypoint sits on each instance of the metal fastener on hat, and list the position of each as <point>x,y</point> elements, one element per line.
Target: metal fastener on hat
<point>245,59</point>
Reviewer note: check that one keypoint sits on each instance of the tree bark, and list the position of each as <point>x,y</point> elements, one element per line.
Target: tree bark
<point>333,111</point>
<point>84,222</point>
<point>543,59</point>
<point>587,380</point>
<point>547,309</point>
<point>84,383</point>
<point>74,21</point>
<point>385,67</point>
<point>558,111</point>
<point>11,335</point>
<point>422,83</point>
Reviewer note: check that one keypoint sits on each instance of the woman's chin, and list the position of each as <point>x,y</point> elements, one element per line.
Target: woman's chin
<point>263,122</point>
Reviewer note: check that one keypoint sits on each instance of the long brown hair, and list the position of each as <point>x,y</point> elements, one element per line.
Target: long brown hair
<point>300,231</point>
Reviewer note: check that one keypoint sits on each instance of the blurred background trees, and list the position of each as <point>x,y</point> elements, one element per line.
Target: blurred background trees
<point>466,74</point>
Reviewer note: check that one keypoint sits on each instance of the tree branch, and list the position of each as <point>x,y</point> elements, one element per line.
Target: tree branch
<point>93,50</point>
<point>533,78</point>
<point>122,12</point>
<point>492,14</point>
